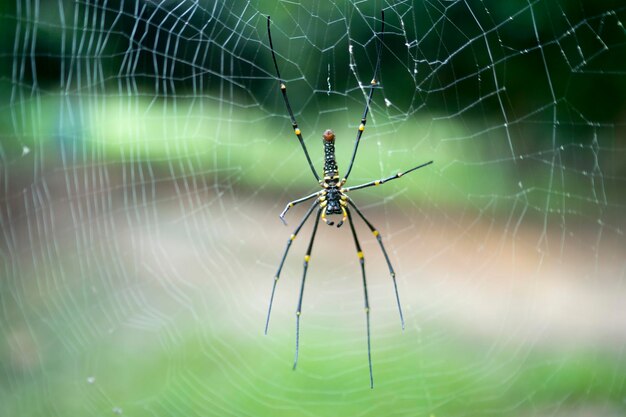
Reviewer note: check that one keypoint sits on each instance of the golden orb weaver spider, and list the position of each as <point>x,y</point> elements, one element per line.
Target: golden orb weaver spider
<point>333,200</point>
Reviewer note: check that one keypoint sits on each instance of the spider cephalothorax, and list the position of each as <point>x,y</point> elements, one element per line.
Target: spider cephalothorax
<point>333,200</point>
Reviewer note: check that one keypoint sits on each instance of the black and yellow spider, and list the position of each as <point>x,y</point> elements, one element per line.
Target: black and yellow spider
<point>333,200</point>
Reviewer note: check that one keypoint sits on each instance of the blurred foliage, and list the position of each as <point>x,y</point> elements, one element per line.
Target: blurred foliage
<point>178,137</point>
<point>167,49</point>
<point>107,74</point>
<point>431,378</point>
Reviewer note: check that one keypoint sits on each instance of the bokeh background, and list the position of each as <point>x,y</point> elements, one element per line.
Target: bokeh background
<point>146,153</point>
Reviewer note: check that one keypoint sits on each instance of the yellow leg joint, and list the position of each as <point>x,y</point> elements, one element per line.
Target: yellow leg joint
<point>283,86</point>
<point>298,131</point>
<point>375,232</point>
<point>374,82</point>
<point>307,258</point>
<point>361,127</point>
<point>377,182</point>
<point>359,254</point>
<point>292,237</point>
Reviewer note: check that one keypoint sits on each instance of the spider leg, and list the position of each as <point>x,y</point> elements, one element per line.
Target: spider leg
<point>382,247</point>
<point>283,89</point>
<point>307,257</point>
<point>384,180</point>
<point>345,215</point>
<point>282,261</point>
<point>373,83</point>
<point>359,254</point>
<point>330,223</point>
<point>296,202</point>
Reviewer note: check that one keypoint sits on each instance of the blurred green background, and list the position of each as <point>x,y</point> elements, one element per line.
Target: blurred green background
<point>146,154</point>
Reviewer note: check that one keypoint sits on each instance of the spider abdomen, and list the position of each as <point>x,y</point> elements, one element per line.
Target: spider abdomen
<point>330,163</point>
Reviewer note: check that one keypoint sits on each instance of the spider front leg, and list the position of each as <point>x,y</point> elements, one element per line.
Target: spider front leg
<point>282,261</point>
<point>359,254</point>
<point>307,257</point>
<point>283,90</point>
<point>373,83</point>
<point>295,202</point>
<point>384,180</point>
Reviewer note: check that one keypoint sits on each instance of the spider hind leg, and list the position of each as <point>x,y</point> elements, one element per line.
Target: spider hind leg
<point>359,253</point>
<point>307,258</point>
<point>282,261</point>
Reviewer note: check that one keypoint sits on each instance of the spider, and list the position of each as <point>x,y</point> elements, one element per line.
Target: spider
<point>333,200</point>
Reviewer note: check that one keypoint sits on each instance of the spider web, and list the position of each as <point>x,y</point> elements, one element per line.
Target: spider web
<point>146,154</point>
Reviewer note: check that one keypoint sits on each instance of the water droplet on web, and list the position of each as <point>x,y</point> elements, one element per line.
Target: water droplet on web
<point>387,103</point>
<point>91,379</point>
<point>25,150</point>
<point>117,410</point>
